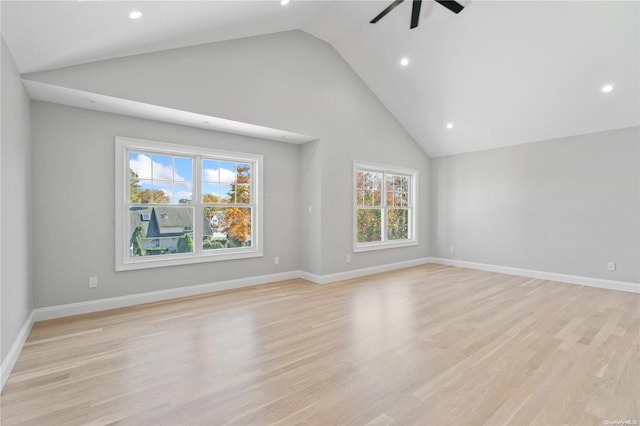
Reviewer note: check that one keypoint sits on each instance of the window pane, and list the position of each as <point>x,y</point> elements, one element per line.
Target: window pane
<point>243,173</point>
<point>404,199</point>
<point>162,192</point>
<point>162,167</point>
<point>227,172</point>
<point>397,190</point>
<point>160,179</point>
<point>241,194</point>
<point>210,171</point>
<point>369,225</point>
<point>226,227</point>
<point>140,164</point>
<point>372,187</point>
<point>182,192</point>
<point>398,224</point>
<point>183,169</point>
<point>210,193</point>
<point>402,191</point>
<point>137,188</point>
<point>142,192</point>
<point>377,198</point>
<point>389,190</point>
<point>359,179</point>
<point>225,194</point>
<point>158,231</point>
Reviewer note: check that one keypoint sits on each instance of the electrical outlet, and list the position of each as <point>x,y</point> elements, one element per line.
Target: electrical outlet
<point>93,282</point>
<point>276,260</point>
<point>611,266</point>
<point>348,258</point>
<point>452,249</point>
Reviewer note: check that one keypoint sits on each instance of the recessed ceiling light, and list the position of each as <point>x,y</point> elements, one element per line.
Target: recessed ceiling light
<point>607,88</point>
<point>449,125</point>
<point>404,62</point>
<point>284,2</point>
<point>136,14</point>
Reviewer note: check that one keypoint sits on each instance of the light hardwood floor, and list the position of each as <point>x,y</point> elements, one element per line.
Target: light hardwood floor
<point>428,345</point>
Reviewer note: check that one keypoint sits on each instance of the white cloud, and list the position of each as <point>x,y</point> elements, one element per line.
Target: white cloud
<point>177,196</point>
<point>226,175</point>
<point>162,172</point>
<point>142,166</point>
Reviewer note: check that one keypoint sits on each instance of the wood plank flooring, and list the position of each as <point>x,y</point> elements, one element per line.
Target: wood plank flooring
<point>427,345</point>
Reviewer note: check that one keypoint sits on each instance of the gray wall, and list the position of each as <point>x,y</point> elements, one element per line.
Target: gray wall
<point>290,81</point>
<point>310,242</point>
<point>567,206</point>
<point>337,193</point>
<point>16,194</point>
<point>74,198</point>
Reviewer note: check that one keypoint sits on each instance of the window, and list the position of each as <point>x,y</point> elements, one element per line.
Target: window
<point>384,207</point>
<point>178,204</point>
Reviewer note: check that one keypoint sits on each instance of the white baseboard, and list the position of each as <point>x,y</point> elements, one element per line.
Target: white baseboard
<point>60,311</point>
<point>12,356</point>
<point>551,276</point>
<point>356,273</point>
<point>156,296</point>
<point>41,314</point>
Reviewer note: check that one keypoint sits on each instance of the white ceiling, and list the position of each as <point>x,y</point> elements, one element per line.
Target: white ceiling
<point>504,72</point>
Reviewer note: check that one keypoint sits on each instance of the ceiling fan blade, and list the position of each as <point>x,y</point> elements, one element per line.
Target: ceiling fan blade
<point>415,13</point>
<point>387,10</point>
<point>453,6</point>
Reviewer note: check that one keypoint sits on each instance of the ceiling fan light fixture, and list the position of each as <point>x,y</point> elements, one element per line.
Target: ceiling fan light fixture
<point>136,14</point>
<point>452,5</point>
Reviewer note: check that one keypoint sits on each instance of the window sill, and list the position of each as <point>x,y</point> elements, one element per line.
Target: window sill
<point>177,260</point>
<point>383,246</point>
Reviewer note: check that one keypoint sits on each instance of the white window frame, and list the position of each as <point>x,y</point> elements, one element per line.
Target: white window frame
<point>125,145</point>
<point>412,207</point>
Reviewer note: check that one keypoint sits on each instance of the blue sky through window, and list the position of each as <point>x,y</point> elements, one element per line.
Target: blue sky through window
<point>219,177</point>
<point>174,175</point>
<point>171,175</point>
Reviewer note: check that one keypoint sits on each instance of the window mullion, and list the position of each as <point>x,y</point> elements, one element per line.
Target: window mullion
<point>196,195</point>
<point>383,216</point>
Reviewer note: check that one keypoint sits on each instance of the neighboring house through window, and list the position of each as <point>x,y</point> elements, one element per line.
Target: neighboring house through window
<point>178,204</point>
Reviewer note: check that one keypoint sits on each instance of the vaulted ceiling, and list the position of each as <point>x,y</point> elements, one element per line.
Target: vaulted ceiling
<point>502,73</point>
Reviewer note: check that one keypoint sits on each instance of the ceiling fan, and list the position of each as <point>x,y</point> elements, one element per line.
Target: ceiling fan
<point>453,6</point>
